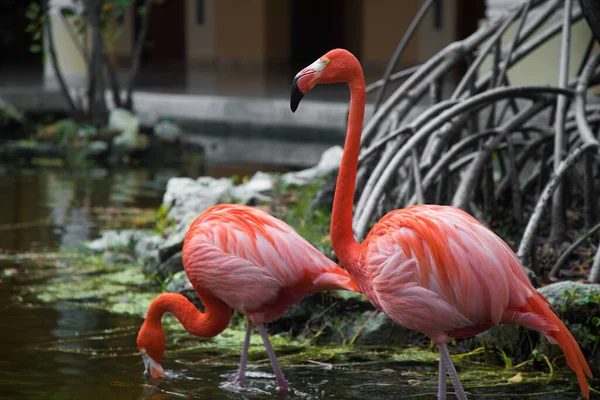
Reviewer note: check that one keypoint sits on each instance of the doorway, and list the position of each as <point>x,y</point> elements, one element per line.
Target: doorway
<point>319,26</point>
<point>165,41</point>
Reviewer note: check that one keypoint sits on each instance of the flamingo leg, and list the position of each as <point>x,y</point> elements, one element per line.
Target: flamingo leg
<point>281,382</point>
<point>241,375</point>
<point>445,356</point>
<point>442,380</point>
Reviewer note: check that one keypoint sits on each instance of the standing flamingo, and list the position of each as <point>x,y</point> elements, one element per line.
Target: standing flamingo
<point>239,257</point>
<point>433,269</point>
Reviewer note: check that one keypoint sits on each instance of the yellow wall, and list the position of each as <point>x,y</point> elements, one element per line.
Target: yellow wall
<point>200,39</point>
<point>240,30</point>
<point>384,24</point>
<point>258,31</point>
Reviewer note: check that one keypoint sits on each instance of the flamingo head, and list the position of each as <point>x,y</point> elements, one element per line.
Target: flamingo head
<point>337,65</point>
<point>151,344</point>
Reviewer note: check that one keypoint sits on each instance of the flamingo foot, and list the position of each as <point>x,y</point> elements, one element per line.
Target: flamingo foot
<point>281,382</point>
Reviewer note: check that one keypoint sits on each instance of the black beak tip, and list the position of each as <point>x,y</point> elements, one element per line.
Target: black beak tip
<point>295,97</point>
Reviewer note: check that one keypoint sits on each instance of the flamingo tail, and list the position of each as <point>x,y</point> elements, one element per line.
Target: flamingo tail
<point>558,333</point>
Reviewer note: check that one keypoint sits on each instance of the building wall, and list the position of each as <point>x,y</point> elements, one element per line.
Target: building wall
<point>277,31</point>
<point>256,32</point>
<point>240,31</point>
<point>432,39</point>
<point>200,38</point>
<point>383,25</point>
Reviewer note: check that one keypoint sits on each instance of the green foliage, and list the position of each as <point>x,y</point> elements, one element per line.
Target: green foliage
<point>585,310</point>
<point>295,207</point>
<point>163,221</point>
<point>8,113</point>
<point>36,20</point>
<point>67,130</point>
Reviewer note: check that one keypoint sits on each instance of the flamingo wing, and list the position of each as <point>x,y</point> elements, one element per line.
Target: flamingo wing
<point>251,260</point>
<point>436,269</point>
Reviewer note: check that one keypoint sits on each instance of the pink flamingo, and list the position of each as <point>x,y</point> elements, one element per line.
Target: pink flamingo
<point>434,269</point>
<point>239,257</point>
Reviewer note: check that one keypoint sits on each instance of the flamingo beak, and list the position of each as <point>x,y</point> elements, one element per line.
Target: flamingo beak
<point>303,82</point>
<point>151,367</point>
<point>306,80</point>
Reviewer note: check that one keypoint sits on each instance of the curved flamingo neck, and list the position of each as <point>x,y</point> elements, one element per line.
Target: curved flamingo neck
<point>206,324</point>
<point>342,237</point>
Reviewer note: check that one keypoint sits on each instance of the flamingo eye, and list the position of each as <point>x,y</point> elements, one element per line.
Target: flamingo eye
<point>325,61</point>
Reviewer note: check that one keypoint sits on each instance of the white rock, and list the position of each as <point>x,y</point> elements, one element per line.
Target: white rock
<point>187,198</point>
<point>116,240</point>
<point>167,130</point>
<point>260,182</point>
<point>330,161</point>
<point>124,121</point>
<point>179,282</point>
<point>146,249</point>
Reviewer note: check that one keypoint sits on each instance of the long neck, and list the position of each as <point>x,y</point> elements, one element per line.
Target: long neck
<point>206,324</point>
<point>342,236</point>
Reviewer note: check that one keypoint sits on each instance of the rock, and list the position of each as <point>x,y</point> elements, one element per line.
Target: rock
<point>124,121</point>
<point>172,245</point>
<point>146,251</point>
<point>129,126</point>
<point>569,293</point>
<point>179,283</point>
<point>117,258</point>
<point>246,192</point>
<point>186,198</point>
<point>123,241</point>
<point>169,267</point>
<point>147,244</point>
<point>167,131</point>
<point>382,330</point>
<point>511,338</point>
<point>330,161</point>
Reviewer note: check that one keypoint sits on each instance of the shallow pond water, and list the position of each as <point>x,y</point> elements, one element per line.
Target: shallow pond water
<point>60,343</point>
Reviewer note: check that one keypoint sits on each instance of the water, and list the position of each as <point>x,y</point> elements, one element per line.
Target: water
<point>76,349</point>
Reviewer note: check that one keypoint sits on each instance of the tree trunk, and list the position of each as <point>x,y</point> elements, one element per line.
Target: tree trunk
<point>73,110</point>
<point>137,55</point>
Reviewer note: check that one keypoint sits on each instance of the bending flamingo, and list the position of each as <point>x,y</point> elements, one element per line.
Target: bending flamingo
<point>433,269</point>
<point>239,257</point>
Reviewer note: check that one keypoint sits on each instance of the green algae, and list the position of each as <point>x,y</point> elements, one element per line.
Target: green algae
<point>123,289</point>
<point>88,282</point>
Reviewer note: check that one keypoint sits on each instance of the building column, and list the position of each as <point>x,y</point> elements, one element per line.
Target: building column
<point>70,60</point>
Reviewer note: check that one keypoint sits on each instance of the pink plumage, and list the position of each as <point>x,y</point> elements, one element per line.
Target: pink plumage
<point>439,264</point>
<point>437,270</point>
<point>255,263</point>
<point>239,257</point>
